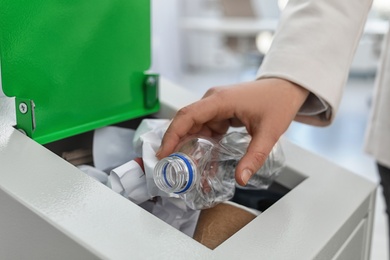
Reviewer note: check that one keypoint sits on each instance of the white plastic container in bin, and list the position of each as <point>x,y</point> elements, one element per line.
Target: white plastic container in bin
<point>51,210</point>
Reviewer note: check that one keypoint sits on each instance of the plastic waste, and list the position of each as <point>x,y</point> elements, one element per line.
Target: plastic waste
<point>201,171</point>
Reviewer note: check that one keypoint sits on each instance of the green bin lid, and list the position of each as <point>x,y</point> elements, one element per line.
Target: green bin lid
<point>75,66</point>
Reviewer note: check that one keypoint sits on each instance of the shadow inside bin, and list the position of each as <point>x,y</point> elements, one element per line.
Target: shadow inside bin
<point>217,224</point>
<point>214,225</point>
<point>260,199</point>
<point>85,140</point>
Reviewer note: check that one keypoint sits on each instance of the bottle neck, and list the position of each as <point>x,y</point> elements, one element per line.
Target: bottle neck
<point>175,174</point>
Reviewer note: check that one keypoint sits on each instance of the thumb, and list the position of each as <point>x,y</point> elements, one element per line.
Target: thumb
<point>256,154</point>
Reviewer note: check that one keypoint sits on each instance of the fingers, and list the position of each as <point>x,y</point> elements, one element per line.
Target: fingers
<point>189,120</point>
<point>257,153</point>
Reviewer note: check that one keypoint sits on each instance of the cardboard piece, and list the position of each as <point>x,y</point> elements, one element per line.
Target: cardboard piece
<point>217,224</point>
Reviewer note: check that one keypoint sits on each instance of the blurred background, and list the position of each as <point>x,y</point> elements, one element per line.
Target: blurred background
<point>199,44</point>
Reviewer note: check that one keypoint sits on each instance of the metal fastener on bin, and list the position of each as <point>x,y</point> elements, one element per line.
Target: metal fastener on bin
<point>23,108</point>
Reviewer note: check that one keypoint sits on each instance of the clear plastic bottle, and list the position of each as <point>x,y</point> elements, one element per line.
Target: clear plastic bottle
<point>202,170</point>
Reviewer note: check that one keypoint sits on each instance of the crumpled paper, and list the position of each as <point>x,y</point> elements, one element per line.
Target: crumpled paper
<point>112,147</point>
<point>174,212</point>
<point>129,181</point>
<point>115,150</point>
<point>147,140</point>
<point>95,173</point>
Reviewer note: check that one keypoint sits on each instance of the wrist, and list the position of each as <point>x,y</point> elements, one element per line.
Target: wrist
<point>293,92</point>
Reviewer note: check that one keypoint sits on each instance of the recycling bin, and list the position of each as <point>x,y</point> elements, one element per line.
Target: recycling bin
<point>69,68</point>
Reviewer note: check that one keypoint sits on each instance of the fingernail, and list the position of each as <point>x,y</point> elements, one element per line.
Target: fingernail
<point>245,176</point>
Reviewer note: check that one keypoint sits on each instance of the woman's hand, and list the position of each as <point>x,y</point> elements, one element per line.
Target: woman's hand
<point>265,107</point>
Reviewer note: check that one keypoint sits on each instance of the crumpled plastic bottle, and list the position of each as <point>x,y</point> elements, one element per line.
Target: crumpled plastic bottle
<point>201,171</point>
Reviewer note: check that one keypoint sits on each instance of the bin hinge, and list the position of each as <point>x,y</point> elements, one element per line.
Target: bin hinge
<point>25,116</point>
<point>151,90</point>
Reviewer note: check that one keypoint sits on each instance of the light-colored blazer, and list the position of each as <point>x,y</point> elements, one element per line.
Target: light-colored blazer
<point>314,46</point>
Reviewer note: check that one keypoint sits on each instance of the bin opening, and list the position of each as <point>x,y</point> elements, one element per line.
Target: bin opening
<point>245,206</point>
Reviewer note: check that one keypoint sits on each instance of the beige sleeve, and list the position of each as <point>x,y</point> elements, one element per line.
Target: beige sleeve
<point>313,47</point>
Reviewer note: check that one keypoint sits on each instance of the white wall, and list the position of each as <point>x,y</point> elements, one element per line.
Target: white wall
<point>166,48</point>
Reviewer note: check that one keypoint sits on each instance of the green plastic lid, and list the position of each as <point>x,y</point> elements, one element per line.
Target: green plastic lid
<point>74,66</point>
